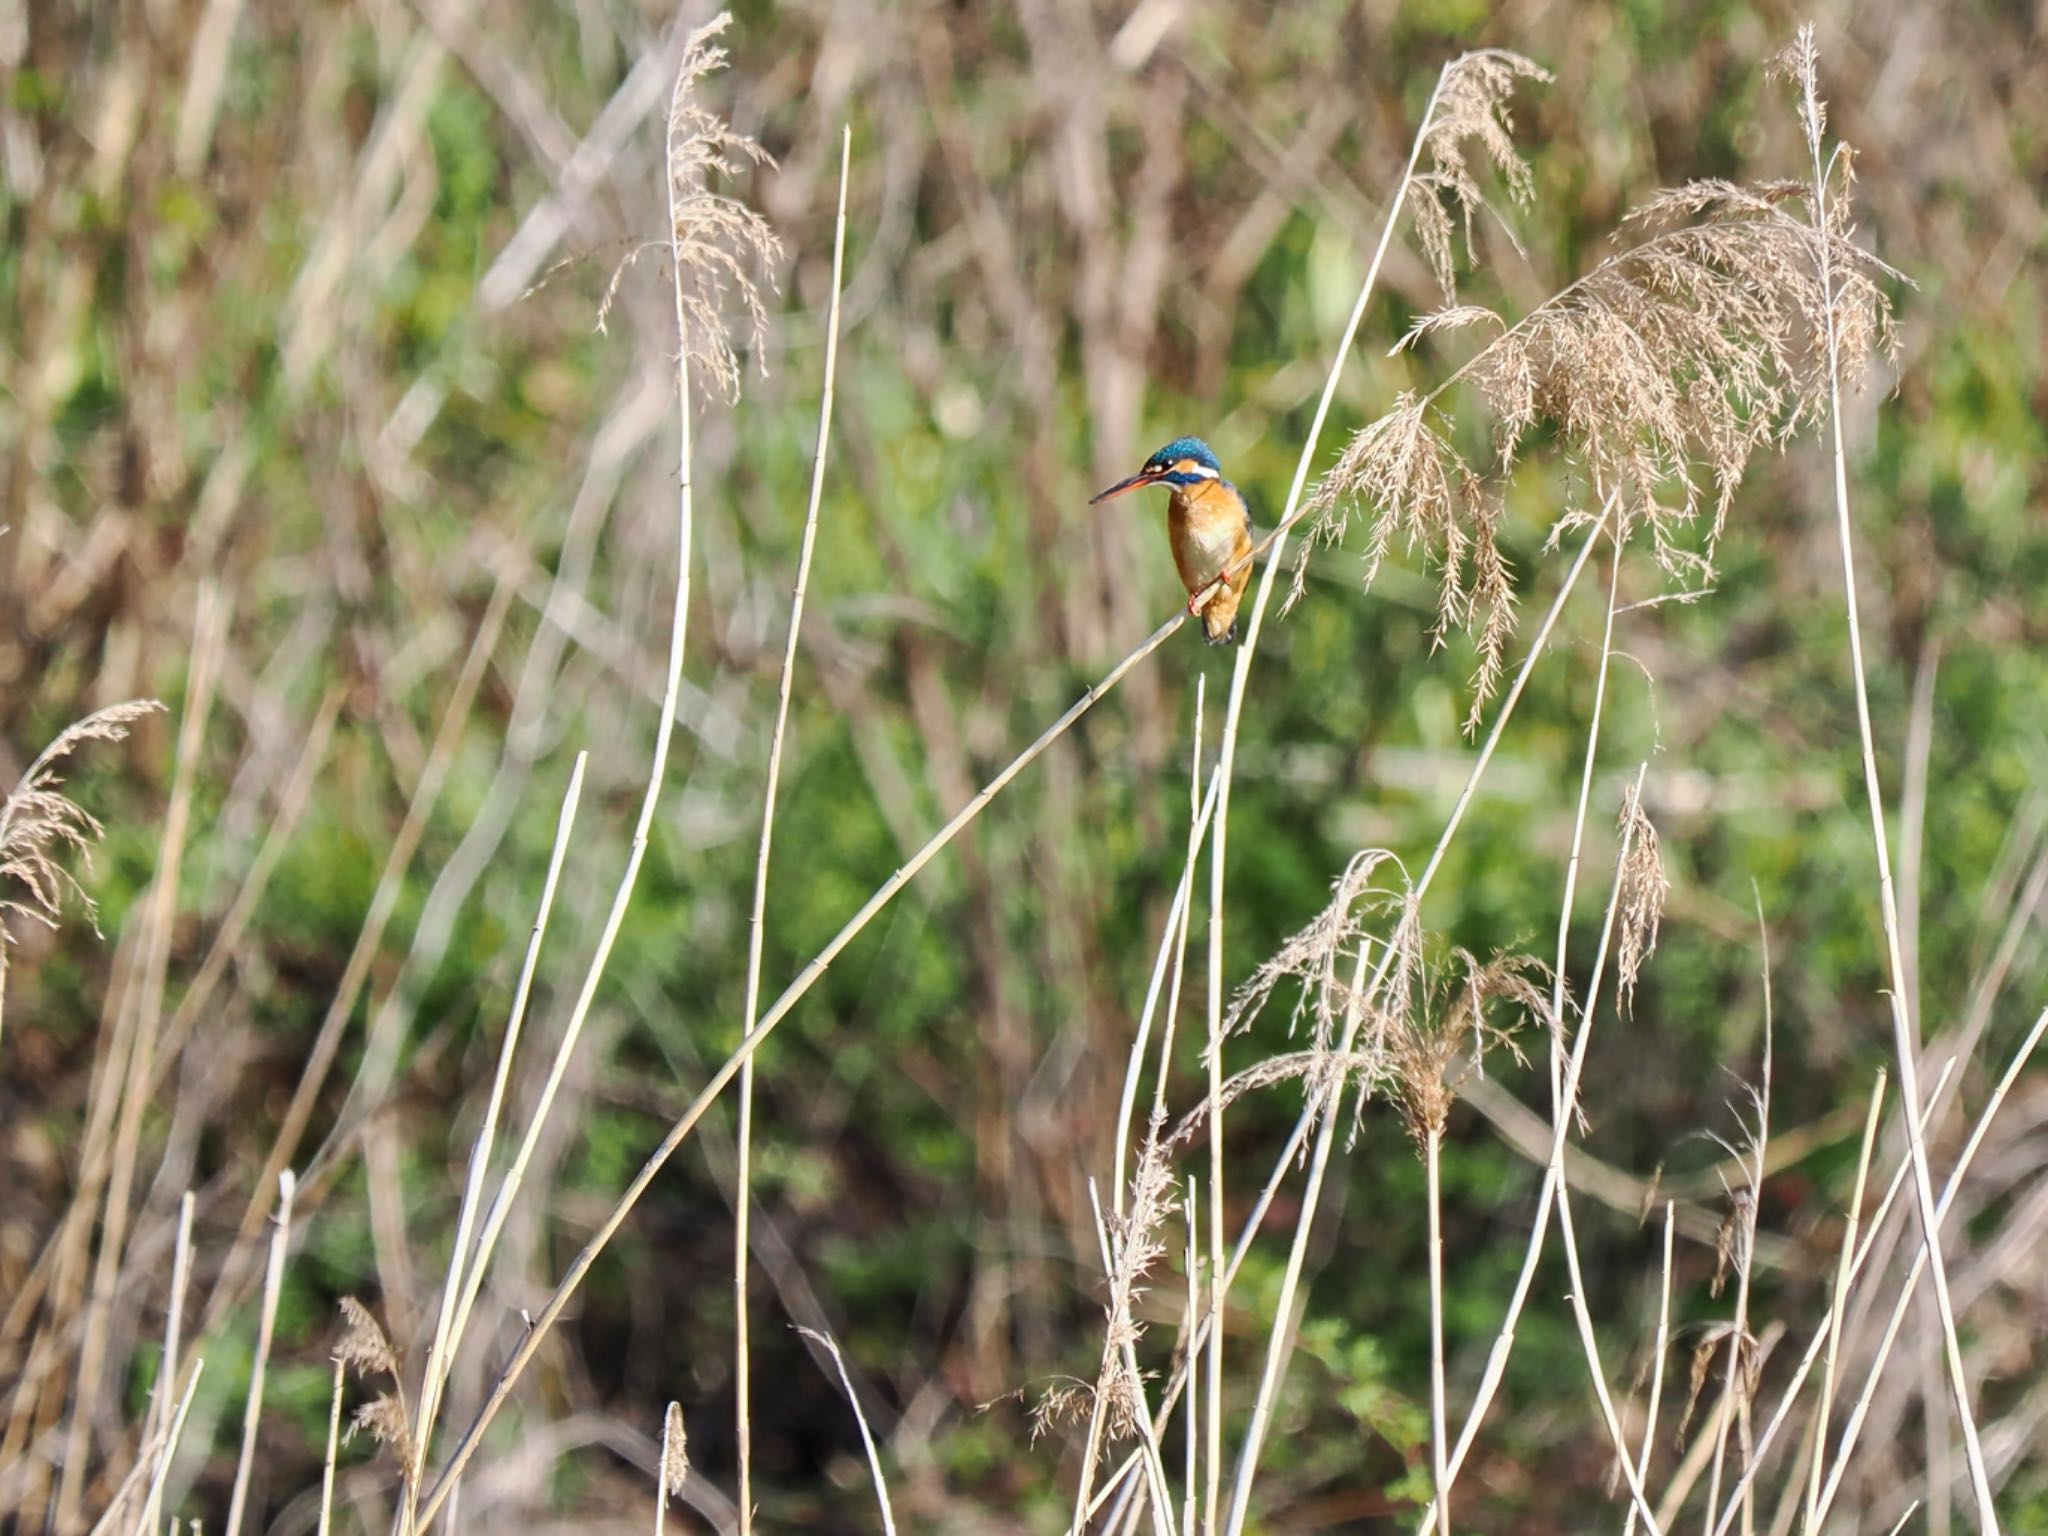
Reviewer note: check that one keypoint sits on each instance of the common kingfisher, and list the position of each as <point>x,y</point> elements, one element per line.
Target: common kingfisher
<point>1209,527</point>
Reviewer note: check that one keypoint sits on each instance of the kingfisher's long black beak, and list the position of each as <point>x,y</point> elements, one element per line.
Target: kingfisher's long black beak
<point>1142,477</point>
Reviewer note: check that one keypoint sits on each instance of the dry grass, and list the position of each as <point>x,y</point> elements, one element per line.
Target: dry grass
<point>1662,371</point>
<point>1727,326</point>
<point>40,824</point>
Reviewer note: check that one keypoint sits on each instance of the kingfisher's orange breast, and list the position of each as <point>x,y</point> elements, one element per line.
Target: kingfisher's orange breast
<point>1209,527</point>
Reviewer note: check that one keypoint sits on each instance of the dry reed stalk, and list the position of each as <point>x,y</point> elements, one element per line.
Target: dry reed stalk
<point>1320,1116</point>
<point>291,803</point>
<point>680,1130</point>
<point>36,1401</point>
<point>464,1274</point>
<point>209,630</point>
<point>1472,89</point>
<point>1929,1244</point>
<point>1201,808</point>
<point>333,1445</point>
<point>756,919</point>
<point>1588,1341</point>
<point>710,239</point>
<point>154,1498</point>
<point>1843,1273</point>
<point>1659,1349</point>
<point>1187,1509</point>
<point>1899,1178</point>
<point>1741,1377</point>
<point>1439,1462</point>
<point>1172,950</point>
<point>355,974</point>
<point>1801,63</point>
<point>1173,944</point>
<point>273,1287</point>
<point>1560,1098</point>
<point>1117,1405</point>
<point>867,1438</point>
<point>174,1315</point>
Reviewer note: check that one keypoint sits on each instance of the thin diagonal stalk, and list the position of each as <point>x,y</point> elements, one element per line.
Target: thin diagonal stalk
<point>1898,1181</point>
<point>1842,1277</point>
<point>685,1123</point>
<point>756,926</point>
<point>501,1204</point>
<point>252,1412</point>
<point>453,1315</point>
<point>1905,1041</point>
<point>1921,1260</point>
<point>1433,1158</point>
<point>1656,1367</point>
<point>1180,943</point>
<point>1117,1265</point>
<point>1172,949</point>
<point>1539,1230</point>
<point>629,877</point>
<point>1325,1104</point>
<point>867,1438</point>
<point>1734,1395</point>
<point>1583,1316</point>
<point>333,1442</point>
<point>1225,770</point>
<point>1590,1344</point>
<point>170,1445</point>
<point>209,632</point>
<point>174,1318</point>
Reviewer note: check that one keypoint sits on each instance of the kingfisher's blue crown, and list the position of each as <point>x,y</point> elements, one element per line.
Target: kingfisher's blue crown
<point>1184,448</point>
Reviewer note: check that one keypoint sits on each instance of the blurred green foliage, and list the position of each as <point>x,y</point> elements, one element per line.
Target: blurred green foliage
<point>930,1114</point>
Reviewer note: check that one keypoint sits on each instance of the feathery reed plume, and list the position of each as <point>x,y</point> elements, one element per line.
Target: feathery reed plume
<point>1065,1402</point>
<point>1643,889</point>
<point>1471,105</point>
<point>363,1348</point>
<point>1663,370</point>
<point>673,1470</point>
<point>1137,1245</point>
<point>675,1448</point>
<point>1450,1026</point>
<point>1416,1030</point>
<point>717,241</point>
<point>1131,1245</point>
<point>384,1420</point>
<point>39,822</point>
<point>1310,956</point>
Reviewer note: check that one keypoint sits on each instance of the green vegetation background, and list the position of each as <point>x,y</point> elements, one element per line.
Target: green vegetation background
<point>1060,255</point>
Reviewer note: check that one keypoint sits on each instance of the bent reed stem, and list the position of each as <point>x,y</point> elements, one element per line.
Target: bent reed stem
<point>756,925</point>
<point>1905,1034</point>
<point>1325,1105</point>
